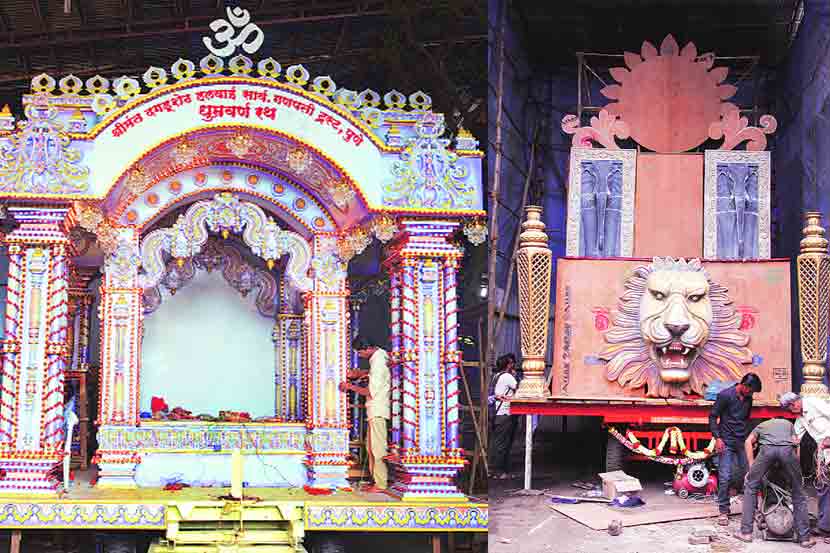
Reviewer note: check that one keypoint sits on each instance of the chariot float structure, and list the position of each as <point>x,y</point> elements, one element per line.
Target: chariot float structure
<point>668,284</point>
<point>222,202</point>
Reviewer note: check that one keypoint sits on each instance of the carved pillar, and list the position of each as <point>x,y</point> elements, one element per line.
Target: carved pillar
<point>423,264</point>
<point>813,302</point>
<point>80,307</point>
<point>80,311</point>
<point>397,355</point>
<point>327,357</point>
<point>35,352</point>
<point>290,347</point>
<point>533,261</point>
<point>354,398</point>
<point>121,314</point>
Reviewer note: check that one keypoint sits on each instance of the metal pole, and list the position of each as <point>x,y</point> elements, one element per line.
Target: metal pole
<point>528,449</point>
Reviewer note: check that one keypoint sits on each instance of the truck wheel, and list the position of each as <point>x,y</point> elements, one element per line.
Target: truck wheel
<point>683,493</point>
<point>118,543</point>
<point>327,543</point>
<point>615,454</point>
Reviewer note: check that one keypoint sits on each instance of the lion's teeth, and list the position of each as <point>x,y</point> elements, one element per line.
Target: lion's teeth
<point>685,351</point>
<point>665,349</point>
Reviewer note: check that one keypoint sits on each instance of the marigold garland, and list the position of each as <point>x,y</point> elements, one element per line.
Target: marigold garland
<point>671,435</point>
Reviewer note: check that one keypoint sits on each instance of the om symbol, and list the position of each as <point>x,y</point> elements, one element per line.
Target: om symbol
<point>224,31</point>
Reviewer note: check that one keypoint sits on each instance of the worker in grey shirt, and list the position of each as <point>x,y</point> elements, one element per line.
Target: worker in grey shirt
<point>776,441</point>
<point>728,422</point>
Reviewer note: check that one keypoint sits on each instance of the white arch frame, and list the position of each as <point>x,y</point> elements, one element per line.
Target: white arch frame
<point>225,213</point>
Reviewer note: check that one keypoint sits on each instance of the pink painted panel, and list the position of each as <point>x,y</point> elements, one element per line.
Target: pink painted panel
<point>588,306</point>
<point>668,209</point>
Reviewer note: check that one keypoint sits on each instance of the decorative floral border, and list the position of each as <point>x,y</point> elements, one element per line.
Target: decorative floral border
<point>83,515</point>
<point>473,517</point>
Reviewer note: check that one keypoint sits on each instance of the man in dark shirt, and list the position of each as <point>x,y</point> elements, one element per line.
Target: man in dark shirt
<point>728,424</point>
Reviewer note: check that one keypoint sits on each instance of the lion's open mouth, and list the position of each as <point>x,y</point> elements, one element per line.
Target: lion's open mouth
<point>674,360</point>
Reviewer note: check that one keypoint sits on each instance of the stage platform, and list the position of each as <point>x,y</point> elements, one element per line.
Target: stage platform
<point>86,507</point>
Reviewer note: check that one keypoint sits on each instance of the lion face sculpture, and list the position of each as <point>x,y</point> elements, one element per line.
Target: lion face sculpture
<point>675,331</point>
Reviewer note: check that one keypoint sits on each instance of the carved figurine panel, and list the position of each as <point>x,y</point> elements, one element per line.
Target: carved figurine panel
<point>737,205</point>
<point>601,203</point>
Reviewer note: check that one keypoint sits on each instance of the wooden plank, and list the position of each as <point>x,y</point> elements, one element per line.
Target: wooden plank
<point>669,205</point>
<point>598,516</point>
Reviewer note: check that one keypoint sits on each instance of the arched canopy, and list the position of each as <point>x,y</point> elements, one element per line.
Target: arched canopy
<point>290,202</point>
<point>225,213</point>
<point>277,111</point>
<point>265,163</point>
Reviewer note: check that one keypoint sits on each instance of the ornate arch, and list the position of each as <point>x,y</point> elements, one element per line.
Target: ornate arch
<point>239,274</point>
<point>265,155</point>
<point>225,213</point>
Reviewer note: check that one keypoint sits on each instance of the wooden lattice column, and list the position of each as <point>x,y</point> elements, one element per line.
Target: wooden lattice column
<point>813,302</point>
<point>327,357</point>
<point>533,261</point>
<point>120,313</point>
<point>425,411</point>
<point>35,350</point>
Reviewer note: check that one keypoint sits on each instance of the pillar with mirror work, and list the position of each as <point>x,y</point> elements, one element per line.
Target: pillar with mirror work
<point>533,263</point>
<point>35,350</point>
<point>327,357</point>
<point>426,453</point>
<point>120,312</point>
<point>813,304</point>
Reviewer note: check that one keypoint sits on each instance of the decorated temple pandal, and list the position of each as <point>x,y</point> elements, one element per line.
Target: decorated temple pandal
<point>668,285</point>
<point>275,180</point>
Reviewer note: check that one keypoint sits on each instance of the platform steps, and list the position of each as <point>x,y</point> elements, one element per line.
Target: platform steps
<point>233,528</point>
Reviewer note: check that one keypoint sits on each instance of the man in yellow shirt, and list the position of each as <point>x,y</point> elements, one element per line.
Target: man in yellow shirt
<point>377,407</point>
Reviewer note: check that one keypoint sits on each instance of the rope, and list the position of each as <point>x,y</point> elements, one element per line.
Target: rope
<point>822,477</point>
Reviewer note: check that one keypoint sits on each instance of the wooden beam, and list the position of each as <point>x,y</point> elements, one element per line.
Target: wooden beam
<point>15,543</point>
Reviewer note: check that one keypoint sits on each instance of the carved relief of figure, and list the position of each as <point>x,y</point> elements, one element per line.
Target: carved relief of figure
<point>601,208</point>
<point>737,211</point>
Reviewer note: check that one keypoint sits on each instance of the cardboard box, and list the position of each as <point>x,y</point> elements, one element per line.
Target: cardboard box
<point>619,483</point>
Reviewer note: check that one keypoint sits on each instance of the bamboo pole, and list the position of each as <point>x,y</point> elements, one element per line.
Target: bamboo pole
<point>493,205</point>
<point>509,286</point>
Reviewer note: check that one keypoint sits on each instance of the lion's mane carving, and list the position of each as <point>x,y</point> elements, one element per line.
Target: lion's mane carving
<point>674,332</point>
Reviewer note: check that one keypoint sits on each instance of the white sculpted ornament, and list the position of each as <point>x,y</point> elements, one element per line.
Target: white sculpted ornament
<point>235,32</point>
<point>675,331</point>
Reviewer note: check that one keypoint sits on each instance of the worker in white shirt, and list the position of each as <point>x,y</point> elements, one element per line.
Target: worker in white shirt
<point>377,395</point>
<point>504,424</point>
<point>814,419</point>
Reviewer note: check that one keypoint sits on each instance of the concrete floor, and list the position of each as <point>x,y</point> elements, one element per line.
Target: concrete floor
<point>526,524</point>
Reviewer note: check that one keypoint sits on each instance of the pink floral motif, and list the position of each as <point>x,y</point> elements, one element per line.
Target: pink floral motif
<point>735,129</point>
<point>748,317</point>
<point>602,130</point>
<point>602,318</point>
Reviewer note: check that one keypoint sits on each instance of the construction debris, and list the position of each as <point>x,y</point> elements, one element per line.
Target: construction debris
<point>705,532</point>
<point>699,540</point>
<point>618,483</point>
<point>615,528</point>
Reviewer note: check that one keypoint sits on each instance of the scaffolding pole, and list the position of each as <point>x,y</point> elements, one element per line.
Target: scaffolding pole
<point>494,229</point>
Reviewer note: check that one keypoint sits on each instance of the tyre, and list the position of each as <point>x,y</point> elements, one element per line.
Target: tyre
<point>327,543</point>
<point>115,543</point>
<point>683,493</point>
<point>615,455</point>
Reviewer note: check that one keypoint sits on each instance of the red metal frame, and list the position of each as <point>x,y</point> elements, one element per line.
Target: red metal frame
<point>635,414</point>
